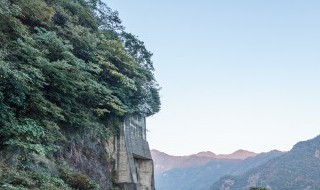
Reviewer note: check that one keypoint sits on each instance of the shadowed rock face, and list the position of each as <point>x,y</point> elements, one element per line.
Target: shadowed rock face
<point>295,170</point>
<point>200,171</point>
<point>87,155</point>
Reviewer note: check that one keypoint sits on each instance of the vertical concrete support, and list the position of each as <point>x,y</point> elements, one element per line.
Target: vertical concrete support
<point>123,167</point>
<point>134,163</point>
<point>145,173</point>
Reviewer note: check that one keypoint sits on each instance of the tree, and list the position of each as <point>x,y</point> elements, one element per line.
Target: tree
<point>68,66</point>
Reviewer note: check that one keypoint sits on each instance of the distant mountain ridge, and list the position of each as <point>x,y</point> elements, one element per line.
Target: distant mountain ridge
<point>298,169</point>
<point>199,171</point>
<point>165,162</point>
<point>239,154</point>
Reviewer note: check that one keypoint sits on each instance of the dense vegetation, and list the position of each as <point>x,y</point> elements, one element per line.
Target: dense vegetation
<point>65,66</point>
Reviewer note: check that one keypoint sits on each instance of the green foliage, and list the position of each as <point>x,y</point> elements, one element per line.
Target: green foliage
<point>77,180</point>
<point>58,66</point>
<point>137,50</point>
<point>35,12</point>
<point>67,66</point>
<point>29,136</point>
<point>19,179</point>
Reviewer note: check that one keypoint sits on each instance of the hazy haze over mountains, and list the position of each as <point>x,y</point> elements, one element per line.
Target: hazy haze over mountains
<point>295,170</point>
<point>199,171</point>
<point>165,162</point>
<point>239,154</point>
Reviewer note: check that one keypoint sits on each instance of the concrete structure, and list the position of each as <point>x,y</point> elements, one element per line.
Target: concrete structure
<point>134,164</point>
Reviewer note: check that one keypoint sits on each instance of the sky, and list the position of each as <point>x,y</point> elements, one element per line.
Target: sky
<point>234,74</point>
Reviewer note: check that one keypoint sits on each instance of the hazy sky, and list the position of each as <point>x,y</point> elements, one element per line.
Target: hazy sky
<point>235,74</point>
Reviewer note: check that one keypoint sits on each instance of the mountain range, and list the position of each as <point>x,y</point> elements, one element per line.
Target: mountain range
<point>298,169</point>
<point>165,162</point>
<point>199,171</point>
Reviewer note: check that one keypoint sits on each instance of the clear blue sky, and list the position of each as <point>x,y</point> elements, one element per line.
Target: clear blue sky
<point>234,74</point>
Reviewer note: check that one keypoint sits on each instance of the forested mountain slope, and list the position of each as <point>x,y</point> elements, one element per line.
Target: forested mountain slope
<point>295,170</point>
<point>69,74</point>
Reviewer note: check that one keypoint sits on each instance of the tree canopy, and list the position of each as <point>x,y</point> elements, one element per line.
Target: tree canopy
<point>68,64</point>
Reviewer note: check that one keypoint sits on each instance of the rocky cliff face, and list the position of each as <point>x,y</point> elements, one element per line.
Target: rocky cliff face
<point>85,162</point>
<point>81,163</point>
<point>87,155</point>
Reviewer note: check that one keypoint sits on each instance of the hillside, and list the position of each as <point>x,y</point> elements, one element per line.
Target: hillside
<point>295,170</point>
<point>199,171</point>
<point>69,75</point>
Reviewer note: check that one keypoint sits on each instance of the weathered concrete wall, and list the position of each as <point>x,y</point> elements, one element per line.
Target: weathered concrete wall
<point>134,163</point>
<point>135,133</point>
<point>145,173</point>
<point>123,167</point>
